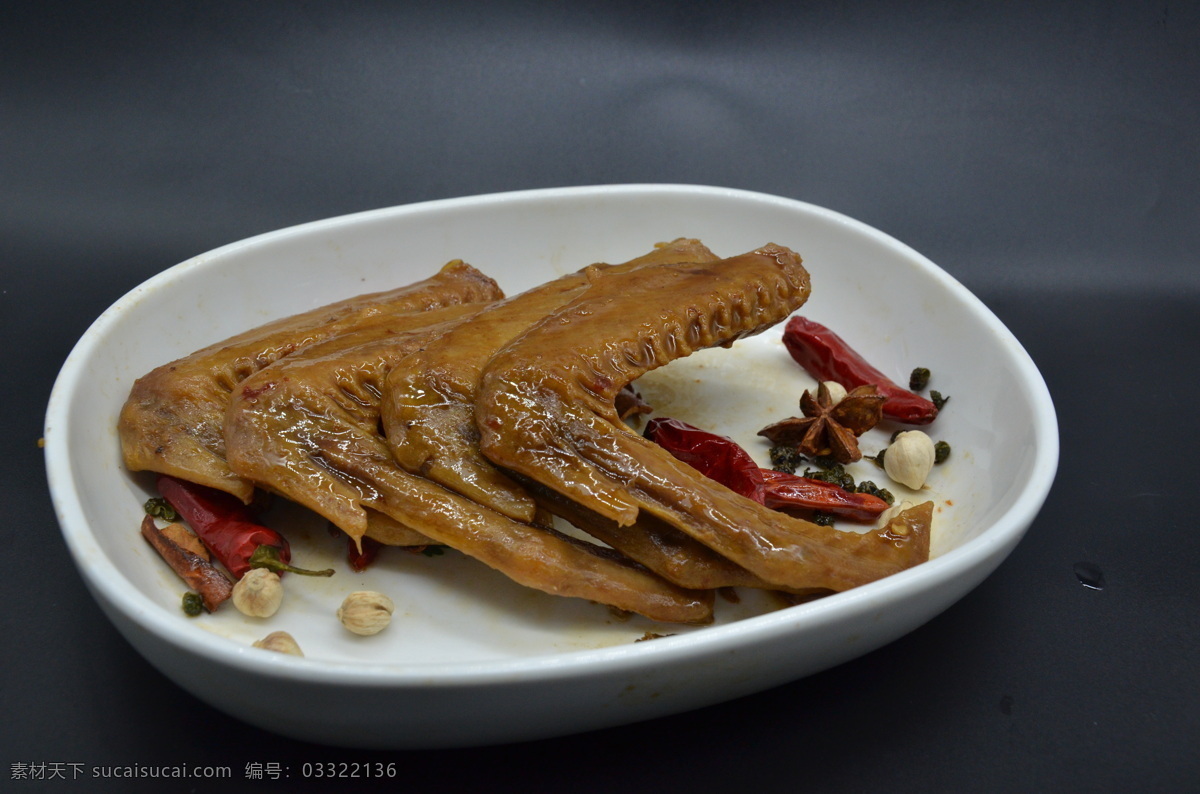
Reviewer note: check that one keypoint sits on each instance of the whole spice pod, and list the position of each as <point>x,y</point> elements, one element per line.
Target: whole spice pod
<point>258,594</point>
<point>366,612</point>
<point>829,428</point>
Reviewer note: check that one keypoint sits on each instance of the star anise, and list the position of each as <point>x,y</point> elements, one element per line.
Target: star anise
<point>829,429</point>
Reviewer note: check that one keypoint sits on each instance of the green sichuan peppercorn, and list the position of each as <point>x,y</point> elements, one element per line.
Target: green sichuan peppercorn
<point>160,508</point>
<point>830,471</point>
<point>786,458</point>
<point>193,604</point>
<point>941,451</point>
<point>919,379</point>
<point>869,487</point>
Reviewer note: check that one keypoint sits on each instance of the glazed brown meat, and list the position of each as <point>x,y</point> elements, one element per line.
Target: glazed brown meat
<point>655,544</point>
<point>308,427</point>
<point>429,400</point>
<point>429,422</point>
<point>285,420</point>
<point>545,410</point>
<point>172,420</point>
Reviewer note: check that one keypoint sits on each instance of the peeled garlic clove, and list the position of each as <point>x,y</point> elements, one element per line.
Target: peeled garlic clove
<point>366,612</point>
<point>837,392</point>
<point>909,459</point>
<point>280,642</point>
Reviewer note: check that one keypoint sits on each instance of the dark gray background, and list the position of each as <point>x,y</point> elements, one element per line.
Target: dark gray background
<point>1047,155</point>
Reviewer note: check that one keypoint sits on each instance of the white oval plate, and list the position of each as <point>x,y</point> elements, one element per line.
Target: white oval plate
<point>467,649</point>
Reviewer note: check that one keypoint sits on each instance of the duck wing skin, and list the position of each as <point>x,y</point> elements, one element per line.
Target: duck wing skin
<point>308,427</point>
<point>390,532</point>
<point>282,420</point>
<point>429,400</point>
<point>171,423</point>
<point>653,543</point>
<point>545,410</point>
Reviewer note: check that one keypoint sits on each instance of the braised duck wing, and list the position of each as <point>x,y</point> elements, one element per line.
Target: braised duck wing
<point>429,400</point>
<point>171,423</point>
<point>308,428</point>
<point>545,410</point>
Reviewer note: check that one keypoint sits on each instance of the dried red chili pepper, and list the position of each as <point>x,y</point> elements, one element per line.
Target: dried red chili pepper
<point>826,356</point>
<point>229,529</point>
<point>785,491</point>
<point>722,459</point>
<point>361,558</point>
<point>717,457</point>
